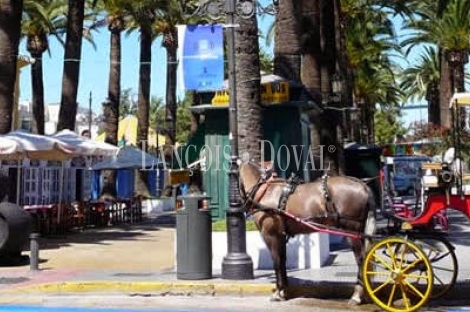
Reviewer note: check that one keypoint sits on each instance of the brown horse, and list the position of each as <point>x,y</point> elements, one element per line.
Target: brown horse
<point>342,203</point>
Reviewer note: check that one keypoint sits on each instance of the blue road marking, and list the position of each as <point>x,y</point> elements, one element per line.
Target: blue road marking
<point>9,308</point>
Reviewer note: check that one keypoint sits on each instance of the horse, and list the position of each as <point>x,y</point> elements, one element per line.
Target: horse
<point>283,209</point>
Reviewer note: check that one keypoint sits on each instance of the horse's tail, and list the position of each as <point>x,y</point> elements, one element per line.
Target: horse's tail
<point>370,225</point>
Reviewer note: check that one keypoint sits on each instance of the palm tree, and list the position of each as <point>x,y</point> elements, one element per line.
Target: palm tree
<point>144,14</point>
<point>115,20</point>
<point>422,82</point>
<point>369,50</point>
<point>445,24</point>
<point>41,19</point>
<point>10,33</point>
<point>165,24</point>
<point>72,57</point>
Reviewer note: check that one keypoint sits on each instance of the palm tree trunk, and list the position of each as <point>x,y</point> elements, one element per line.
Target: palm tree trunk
<point>287,50</point>
<point>311,49</point>
<point>144,102</point>
<point>112,116</point>
<point>445,91</point>
<point>432,96</point>
<point>247,75</point>
<point>38,94</point>
<point>72,57</point>
<point>311,69</point>
<point>171,105</point>
<point>114,88</point>
<point>10,30</point>
<point>328,68</point>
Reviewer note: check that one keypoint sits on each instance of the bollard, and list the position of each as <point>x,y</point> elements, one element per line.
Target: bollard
<point>34,252</point>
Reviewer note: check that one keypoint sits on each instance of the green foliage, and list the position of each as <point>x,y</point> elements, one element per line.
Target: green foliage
<point>183,118</point>
<point>221,226</point>
<point>266,62</point>
<point>387,126</point>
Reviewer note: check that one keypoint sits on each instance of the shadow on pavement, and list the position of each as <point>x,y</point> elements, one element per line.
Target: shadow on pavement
<point>103,235</point>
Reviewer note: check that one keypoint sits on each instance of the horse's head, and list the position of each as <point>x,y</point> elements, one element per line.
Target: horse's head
<point>249,174</point>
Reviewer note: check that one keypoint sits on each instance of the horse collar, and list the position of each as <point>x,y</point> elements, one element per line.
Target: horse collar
<point>257,191</point>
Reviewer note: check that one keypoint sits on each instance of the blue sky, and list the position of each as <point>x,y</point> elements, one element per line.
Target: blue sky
<point>94,68</point>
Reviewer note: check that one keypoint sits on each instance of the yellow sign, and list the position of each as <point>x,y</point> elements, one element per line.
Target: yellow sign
<point>271,93</point>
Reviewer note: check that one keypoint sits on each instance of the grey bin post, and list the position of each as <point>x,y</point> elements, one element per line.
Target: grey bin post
<point>193,239</point>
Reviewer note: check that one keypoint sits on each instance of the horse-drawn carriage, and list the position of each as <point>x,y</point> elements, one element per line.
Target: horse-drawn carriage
<point>400,266</point>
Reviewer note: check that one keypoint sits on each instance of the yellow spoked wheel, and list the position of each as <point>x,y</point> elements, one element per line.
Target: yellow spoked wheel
<point>397,275</point>
<point>445,268</point>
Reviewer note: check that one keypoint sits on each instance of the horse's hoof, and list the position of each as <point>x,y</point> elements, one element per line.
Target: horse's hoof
<point>354,302</point>
<point>278,296</point>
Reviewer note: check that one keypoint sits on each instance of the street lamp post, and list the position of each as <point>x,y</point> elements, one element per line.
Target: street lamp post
<point>237,264</point>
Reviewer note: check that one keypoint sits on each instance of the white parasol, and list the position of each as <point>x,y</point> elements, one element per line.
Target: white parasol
<point>85,146</point>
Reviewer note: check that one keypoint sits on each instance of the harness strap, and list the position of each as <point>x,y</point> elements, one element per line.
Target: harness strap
<point>329,206</point>
<point>287,190</point>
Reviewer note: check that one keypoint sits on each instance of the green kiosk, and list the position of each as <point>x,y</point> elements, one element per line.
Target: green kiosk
<point>284,122</point>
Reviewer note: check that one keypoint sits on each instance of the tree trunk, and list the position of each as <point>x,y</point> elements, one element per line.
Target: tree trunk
<point>329,66</point>
<point>38,94</point>
<point>112,110</point>
<point>171,104</point>
<point>109,176</point>
<point>114,88</point>
<point>446,91</point>
<point>310,70</point>
<point>287,49</point>
<point>432,96</point>
<point>311,49</point>
<point>144,102</point>
<point>10,31</point>
<point>72,57</point>
<point>247,75</point>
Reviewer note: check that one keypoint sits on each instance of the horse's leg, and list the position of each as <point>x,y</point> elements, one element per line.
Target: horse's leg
<point>357,247</point>
<point>360,248</point>
<point>276,244</point>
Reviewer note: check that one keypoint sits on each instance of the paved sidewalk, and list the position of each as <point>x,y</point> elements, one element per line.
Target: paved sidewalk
<point>138,260</point>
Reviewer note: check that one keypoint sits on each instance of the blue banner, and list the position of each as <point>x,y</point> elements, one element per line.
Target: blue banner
<point>201,57</point>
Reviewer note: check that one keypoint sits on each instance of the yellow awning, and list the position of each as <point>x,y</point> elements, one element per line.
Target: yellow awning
<point>460,99</point>
<point>127,133</point>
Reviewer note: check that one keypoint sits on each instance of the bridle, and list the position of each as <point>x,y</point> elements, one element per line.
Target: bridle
<point>257,191</point>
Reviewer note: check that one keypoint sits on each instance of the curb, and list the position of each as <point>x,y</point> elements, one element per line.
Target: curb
<point>322,290</point>
<point>164,288</point>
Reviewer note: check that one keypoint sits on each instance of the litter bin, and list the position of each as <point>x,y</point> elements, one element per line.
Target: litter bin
<point>193,239</point>
<point>15,227</point>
